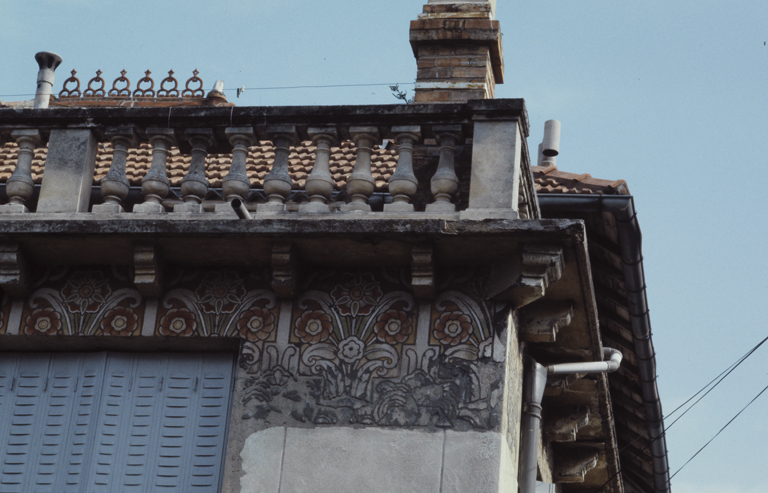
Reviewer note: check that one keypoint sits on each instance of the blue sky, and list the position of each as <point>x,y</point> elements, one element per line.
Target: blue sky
<point>670,96</point>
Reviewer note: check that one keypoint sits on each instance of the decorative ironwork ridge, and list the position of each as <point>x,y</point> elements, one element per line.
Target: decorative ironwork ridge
<point>145,87</point>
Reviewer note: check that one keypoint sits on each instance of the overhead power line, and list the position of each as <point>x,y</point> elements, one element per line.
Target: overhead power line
<point>718,379</point>
<point>720,431</point>
<point>271,88</point>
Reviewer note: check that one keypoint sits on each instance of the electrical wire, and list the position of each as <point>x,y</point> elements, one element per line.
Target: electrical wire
<point>323,87</point>
<point>273,88</point>
<point>721,430</point>
<point>719,378</point>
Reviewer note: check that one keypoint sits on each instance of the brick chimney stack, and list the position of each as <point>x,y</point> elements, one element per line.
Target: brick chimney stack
<point>457,45</point>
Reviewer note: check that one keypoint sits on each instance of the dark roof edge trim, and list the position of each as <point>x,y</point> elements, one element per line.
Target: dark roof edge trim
<point>630,244</point>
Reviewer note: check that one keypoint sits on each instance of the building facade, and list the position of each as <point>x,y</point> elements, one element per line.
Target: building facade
<point>203,297</point>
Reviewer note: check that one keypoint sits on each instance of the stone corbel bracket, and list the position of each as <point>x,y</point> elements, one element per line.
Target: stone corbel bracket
<point>14,277</point>
<point>540,266</point>
<point>148,270</point>
<point>422,272</point>
<point>540,321</point>
<point>285,270</point>
<point>574,466</point>
<point>563,426</point>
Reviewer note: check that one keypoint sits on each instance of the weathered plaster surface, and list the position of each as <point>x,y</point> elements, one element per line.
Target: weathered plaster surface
<point>385,460</point>
<point>262,461</point>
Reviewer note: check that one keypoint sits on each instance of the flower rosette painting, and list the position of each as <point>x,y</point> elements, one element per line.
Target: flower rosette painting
<point>352,333</point>
<point>218,303</point>
<point>88,302</point>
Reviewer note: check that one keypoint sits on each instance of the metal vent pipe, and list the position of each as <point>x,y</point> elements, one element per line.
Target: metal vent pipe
<point>48,62</point>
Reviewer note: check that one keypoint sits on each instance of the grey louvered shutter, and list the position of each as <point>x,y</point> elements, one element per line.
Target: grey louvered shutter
<point>164,421</point>
<point>211,427</point>
<point>129,407</point>
<point>193,424</point>
<point>69,413</point>
<point>78,452</point>
<point>24,410</point>
<point>113,422</point>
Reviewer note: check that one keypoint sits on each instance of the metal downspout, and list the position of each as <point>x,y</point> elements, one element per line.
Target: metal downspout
<point>535,380</point>
<point>630,244</point>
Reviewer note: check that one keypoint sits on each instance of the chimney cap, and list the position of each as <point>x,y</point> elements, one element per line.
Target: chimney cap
<point>48,59</point>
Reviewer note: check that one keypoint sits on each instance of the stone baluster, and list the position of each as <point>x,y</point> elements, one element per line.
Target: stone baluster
<point>445,183</point>
<point>360,184</point>
<point>278,183</point>
<point>20,185</point>
<point>194,186</point>
<point>115,186</point>
<point>236,185</point>
<point>319,186</point>
<point>403,183</point>
<point>155,184</point>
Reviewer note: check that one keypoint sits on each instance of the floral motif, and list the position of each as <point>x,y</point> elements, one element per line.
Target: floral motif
<point>393,326</point>
<point>351,349</point>
<point>452,328</point>
<point>313,326</point>
<point>85,292</point>
<point>178,322</point>
<point>120,321</point>
<point>256,324</point>
<point>357,295</point>
<point>45,321</point>
<point>220,292</point>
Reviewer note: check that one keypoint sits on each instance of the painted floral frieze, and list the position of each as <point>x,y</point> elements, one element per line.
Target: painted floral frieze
<point>83,301</point>
<point>361,350</point>
<point>223,303</point>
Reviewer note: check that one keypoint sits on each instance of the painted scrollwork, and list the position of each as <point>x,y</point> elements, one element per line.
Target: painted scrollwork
<point>218,303</point>
<point>363,360</point>
<point>90,302</point>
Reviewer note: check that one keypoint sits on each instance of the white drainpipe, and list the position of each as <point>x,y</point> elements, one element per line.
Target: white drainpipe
<point>530,426</point>
<point>48,62</point>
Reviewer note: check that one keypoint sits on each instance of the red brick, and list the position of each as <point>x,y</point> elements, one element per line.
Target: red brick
<point>461,61</point>
<point>433,73</point>
<point>479,24</point>
<point>427,50</point>
<point>426,62</point>
<point>427,96</point>
<point>470,72</point>
<point>465,49</point>
<point>453,23</point>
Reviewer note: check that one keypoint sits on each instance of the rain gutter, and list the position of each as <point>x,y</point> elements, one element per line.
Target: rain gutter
<point>630,244</point>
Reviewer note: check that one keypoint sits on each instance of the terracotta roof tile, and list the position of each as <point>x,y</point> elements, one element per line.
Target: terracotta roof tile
<point>260,158</point>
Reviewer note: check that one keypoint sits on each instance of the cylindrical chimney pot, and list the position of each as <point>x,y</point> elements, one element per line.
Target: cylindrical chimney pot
<point>48,62</point>
<point>550,146</point>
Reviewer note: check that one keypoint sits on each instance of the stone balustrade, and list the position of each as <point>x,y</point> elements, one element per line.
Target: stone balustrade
<point>466,160</point>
